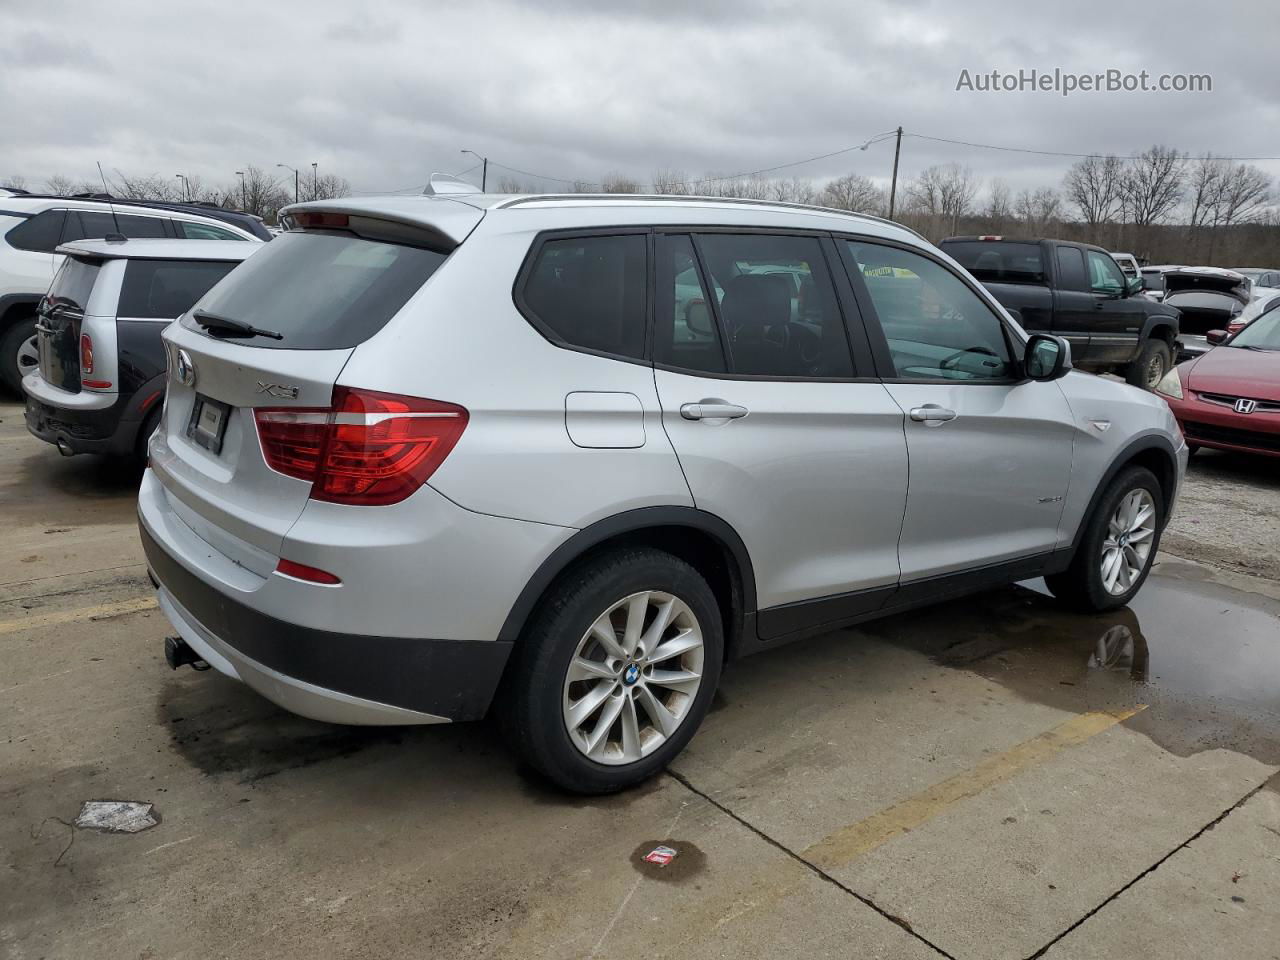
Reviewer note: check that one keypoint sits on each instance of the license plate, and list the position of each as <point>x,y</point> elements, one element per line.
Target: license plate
<point>208,423</point>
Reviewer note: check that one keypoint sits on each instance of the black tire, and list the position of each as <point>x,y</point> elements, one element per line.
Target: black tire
<point>531,700</point>
<point>10,343</point>
<point>149,425</point>
<point>1081,585</point>
<point>1154,360</point>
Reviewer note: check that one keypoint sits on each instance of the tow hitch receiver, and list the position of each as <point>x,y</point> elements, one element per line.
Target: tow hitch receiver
<point>178,653</point>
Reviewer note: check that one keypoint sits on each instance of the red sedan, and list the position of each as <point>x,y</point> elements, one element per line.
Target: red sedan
<point>1229,398</point>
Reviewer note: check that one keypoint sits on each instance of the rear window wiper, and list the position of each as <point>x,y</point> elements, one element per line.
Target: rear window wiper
<point>231,328</point>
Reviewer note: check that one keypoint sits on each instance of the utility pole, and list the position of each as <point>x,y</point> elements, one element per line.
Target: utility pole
<point>484,169</point>
<point>893,185</point>
<point>295,179</point>
<point>244,196</point>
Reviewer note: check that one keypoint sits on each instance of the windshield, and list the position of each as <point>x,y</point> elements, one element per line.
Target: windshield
<point>1263,333</point>
<point>320,291</point>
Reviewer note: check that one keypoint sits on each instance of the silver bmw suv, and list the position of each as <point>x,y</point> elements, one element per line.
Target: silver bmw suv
<point>562,457</point>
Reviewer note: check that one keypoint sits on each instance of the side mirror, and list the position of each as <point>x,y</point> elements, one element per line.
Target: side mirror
<point>1132,285</point>
<point>698,318</point>
<point>1046,357</point>
<point>1216,336</point>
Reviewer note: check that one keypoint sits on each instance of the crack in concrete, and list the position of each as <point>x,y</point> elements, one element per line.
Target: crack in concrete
<point>814,868</point>
<point>1155,866</point>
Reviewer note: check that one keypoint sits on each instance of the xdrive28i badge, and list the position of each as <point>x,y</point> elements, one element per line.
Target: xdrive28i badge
<point>185,369</point>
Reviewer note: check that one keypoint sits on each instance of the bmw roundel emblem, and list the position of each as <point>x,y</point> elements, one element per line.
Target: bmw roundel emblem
<point>185,369</point>
<point>631,675</point>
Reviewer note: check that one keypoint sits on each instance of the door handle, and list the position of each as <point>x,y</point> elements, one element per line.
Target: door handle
<point>712,409</point>
<point>932,413</point>
<point>1098,304</point>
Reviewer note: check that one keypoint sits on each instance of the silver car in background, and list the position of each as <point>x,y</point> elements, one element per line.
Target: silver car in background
<point>561,457</point>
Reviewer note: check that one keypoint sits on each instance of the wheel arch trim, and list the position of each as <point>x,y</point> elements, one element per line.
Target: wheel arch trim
<point>1150,441</point>
<point>632,521</point>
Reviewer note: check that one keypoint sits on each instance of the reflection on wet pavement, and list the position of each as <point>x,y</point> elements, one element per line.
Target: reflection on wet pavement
<point>1204,658</point>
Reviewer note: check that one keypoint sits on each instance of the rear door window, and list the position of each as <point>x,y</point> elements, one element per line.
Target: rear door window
<point>1071,269</point>
<point>321,290</point>
<point>589,293</point>
<point>166,289</point>
<point>39,234</point>
<point>777,306</point>
<point>998,261</point>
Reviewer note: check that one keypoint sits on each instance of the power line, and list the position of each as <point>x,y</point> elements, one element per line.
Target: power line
<point>1060,153</point>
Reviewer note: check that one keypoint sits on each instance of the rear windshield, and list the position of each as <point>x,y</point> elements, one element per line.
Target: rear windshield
<point>73,284</point>
<point>166,289</point>
<point>998,262</point>
<point>321,291</point>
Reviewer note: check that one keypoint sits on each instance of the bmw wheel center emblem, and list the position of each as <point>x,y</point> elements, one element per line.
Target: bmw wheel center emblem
<point>631,675</point>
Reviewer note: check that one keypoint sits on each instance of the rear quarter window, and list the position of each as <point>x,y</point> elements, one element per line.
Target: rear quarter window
<point>74,283</point>
<point>999,262</point>
<point>589,293</point>
<point>166,289</point>
<point>321,290</point>
<point>39,234</point>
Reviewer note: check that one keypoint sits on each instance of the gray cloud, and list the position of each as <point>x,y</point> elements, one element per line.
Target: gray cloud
<point>576,90</point>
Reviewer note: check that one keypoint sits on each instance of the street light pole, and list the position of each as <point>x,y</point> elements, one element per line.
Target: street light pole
<point>244,196</point>
<point>484,169</point>
<point>315,182</point>
<point>186,191</point>
<point>295,179</point>
<point>893,185</point>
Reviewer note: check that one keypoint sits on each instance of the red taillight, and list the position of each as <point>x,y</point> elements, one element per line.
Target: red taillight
<point>300,571</point>
<point>86,353</point>
<point>317,219</point>
<point>369,449</point>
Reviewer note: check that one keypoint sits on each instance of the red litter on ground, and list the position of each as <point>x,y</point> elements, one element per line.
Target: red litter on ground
<point>660,855</point>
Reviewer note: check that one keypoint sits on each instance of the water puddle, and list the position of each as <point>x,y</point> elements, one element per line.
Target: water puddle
<point>1205,659</point>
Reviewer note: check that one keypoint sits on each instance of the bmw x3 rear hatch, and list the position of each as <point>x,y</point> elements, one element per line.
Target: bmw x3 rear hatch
<point>254,426</point>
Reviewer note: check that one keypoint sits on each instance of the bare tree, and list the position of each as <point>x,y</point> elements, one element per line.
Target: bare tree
<point>619,183</point>
<point>999,205</point>
<point>325,188</point>
<point>1245,195</point>
<point>60,185</point>
<point>582,186</point>
<point>264,194</point>
<point>794,190</point>
<point>944,194</point>
<point>670,182</point>
<point>1092,184</point>
<point>1038,210</point>
<point>511,185</point>
<point>15,182</point>
<point>1152,185</point>
<point>852,192</point>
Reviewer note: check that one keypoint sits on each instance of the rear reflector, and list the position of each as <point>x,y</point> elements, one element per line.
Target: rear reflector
<point>300,571</point>
<point>369,449</point>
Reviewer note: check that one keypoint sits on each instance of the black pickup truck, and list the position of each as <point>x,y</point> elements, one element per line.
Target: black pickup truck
<point>1076,291</point>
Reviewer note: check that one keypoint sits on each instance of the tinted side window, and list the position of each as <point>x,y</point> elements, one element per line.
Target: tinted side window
<point>40,233</point>
<point>936,326</point>
<point>203,231</point>
<point>777,305</point>
<point>73,284</point>
<point>1104,275</point>
<point>589,292</point>
<point>166,289</point>
<point>685,335</point>
<point>96,224</point>
<point>132,226</point>
<point>1071,269</point>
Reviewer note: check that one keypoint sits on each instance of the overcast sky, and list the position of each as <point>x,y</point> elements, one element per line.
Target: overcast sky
<point>385,93</point>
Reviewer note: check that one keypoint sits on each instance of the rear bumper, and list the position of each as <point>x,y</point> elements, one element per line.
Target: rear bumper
<point>107,423</point>
<point>335,677</point>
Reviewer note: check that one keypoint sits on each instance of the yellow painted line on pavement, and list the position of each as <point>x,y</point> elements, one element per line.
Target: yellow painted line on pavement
<point>100,612</point>
<point>857,839</point>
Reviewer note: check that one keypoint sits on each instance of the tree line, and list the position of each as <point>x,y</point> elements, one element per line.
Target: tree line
<point>1162,205</point>
<point>254,190</point>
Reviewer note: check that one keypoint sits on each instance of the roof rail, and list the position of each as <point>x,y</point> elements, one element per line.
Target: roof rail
<point>678,198</point>
<point>442,184</point>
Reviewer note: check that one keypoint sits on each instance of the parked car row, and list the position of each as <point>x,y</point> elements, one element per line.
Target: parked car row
<point>33,227</point>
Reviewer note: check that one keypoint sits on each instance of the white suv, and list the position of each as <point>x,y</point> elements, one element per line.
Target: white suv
<point>32,227</point>
<point>425,455</point>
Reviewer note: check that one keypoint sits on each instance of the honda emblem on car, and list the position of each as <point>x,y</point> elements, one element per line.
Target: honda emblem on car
<point>186,369</point>
<point>1245,405</point>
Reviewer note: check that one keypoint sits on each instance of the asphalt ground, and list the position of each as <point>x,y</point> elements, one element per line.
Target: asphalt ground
<point>990,778</point>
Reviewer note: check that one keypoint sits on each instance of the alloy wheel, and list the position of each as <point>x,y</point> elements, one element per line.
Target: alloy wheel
<point>1155,371</point>
<point>1127,547</point>
<point>633,678</point>
<point>28,357</point>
